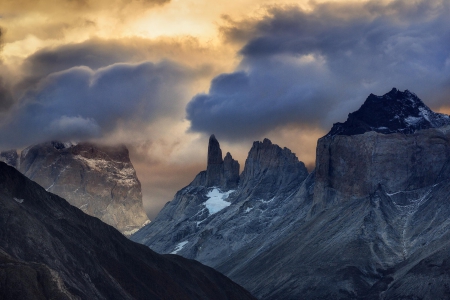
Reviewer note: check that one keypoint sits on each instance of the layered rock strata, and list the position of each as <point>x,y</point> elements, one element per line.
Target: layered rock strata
<point>99,180</point>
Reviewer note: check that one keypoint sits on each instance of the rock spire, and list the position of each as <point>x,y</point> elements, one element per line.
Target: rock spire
<point>222,173</point>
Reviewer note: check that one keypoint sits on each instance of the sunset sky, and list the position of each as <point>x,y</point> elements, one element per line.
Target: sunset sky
<point>162,75</point>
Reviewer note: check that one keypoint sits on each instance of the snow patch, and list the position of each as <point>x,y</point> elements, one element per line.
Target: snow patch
<point>266,201</point>
<point>248,209</point>
<point>18,200</point>
<point>179,247</point>
<point>70,144</point>
<point>413,120</point>
<point>216,201</point>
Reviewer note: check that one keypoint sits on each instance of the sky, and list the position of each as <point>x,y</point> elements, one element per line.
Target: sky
<point>161,76</point>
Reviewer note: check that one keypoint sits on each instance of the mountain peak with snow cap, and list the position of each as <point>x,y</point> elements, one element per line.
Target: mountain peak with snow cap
<point>393,112</point>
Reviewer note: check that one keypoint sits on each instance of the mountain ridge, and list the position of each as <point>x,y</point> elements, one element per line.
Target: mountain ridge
<point>395,111</point>
<point>370,222</point>
<point>51,249</point>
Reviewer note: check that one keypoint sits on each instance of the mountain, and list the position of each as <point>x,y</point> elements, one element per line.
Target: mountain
<point>49,249</point>
<point>100,180</point>
<point>212,223</point>
<point>396,111</point>
<point>370,222</point>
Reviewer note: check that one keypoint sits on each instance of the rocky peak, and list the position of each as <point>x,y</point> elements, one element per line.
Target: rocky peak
<point>214,152</point>
<point>219,173</point>
<point>350,164</point>
<point>214,168</point>
<point>98,179</point>
<point>230,171</point>
<point>393,112</point>
<point>268,165</point>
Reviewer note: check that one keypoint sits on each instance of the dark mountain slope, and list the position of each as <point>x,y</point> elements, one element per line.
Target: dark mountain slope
<point>395,111</point>
<point>50,249</point>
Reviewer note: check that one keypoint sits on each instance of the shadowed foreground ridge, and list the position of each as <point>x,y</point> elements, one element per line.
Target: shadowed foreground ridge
<point>52,250</point>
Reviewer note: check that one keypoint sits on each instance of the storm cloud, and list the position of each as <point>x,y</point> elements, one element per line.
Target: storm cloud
<point>80,103</point>
<point>312,67</point>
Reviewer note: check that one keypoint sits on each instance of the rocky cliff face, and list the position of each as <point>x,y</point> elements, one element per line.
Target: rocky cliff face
<point>52,250</point>
<point>371,222</point>
<point>210,224</point>
<point>355,166</point>
<point>221,173</point>
<point>10,157</point>
<point>100,180</point>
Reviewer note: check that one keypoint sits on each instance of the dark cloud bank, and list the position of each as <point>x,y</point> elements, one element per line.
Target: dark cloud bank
<point>313,68</point>
<point>81,103</point>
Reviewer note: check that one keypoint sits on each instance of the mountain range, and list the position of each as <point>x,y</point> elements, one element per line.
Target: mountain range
<point>369,222</point>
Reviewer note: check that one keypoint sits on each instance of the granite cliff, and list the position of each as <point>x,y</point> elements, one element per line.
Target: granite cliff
<point>370,222</point>
<point>99,180</point>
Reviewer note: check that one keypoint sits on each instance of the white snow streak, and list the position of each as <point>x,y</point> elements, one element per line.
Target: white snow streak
<point>18,200</point>
<point>179,247</point>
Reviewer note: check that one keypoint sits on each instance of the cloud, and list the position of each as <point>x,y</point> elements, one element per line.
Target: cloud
<point>312,67</point>
<point>70,20</point>
<point>6,98</point>
<point>80,103</point>
<point>99,53</point>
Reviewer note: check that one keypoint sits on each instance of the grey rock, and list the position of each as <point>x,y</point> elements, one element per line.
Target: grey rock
<point>10,157</point>
<point>230,172</point>
<point>100,180</point>
<point>370,222</point>
<point>223,173</point>
<point>354,166</point>
<point>214,169</point>
<point>49,249</point>
<point>270,169</point>
<point>247,226</point>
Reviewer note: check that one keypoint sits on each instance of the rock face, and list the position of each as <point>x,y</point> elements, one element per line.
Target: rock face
<point>356,166</point>
<point>10,157</point>
<point>219,172</point>
<point>100,180</point>
<point>210,224</point>
<point>52,250</point>
<point>370,222</point>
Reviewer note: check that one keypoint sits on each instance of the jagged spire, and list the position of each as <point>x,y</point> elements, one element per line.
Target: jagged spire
<point>214,152</point>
